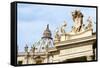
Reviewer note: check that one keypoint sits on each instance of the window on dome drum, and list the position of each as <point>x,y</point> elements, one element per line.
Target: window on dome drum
<point>42,47</point>
<point>36,48</point>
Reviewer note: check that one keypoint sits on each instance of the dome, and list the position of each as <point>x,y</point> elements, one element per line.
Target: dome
<point>45,43</point>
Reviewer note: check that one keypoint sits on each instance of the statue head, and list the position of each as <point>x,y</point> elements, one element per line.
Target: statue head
<point>76,14</point>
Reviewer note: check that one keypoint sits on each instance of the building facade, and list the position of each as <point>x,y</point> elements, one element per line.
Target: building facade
<point>78,45</point>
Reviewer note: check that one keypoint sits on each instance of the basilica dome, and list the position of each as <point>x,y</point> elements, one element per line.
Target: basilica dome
<point>45,43</point>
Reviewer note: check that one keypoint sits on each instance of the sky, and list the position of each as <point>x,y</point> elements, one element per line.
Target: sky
<point>32,20</point>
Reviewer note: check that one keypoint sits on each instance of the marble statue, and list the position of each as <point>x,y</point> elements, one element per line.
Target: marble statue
<point>26,48</point>
<point>90,25</point>
<point>57,36</point>
<point>78,20</point>
<point>62,29</point>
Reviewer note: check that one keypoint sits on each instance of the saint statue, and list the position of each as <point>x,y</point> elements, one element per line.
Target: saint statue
<point>89,26</point>
<point>62,29</point>
<point>57,36</point>
<point>26,48</point>
<point>78,21</point>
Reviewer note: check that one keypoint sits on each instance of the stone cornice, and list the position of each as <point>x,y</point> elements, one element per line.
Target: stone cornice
<point>73,41</point>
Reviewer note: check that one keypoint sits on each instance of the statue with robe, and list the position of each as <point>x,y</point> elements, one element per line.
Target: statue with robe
<point>89,26</point>
<point>57,36</point>
<point>78,21</point>
<point>62,29</point>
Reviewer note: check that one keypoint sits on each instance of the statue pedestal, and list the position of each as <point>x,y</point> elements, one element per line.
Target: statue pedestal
<point>70,36</point>
<point>56,40</point>
<point>63,37</point>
